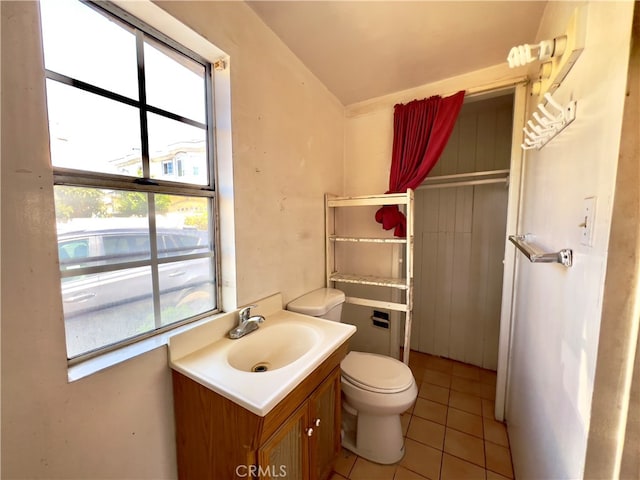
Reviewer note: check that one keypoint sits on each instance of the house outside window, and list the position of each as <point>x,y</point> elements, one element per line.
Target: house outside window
<point>136,241</point>
<point>167,168</point>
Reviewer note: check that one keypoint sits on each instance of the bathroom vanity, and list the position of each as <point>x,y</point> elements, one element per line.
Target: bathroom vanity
<point>232,422</point>
<point>299,438</point>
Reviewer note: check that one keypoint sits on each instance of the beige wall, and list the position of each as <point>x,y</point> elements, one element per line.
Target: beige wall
<point>288,150</point>
<point>558,311</point>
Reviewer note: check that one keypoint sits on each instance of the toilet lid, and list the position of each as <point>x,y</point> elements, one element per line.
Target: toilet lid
<point>377,373</point>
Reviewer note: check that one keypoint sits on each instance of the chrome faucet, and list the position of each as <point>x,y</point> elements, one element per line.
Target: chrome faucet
<point>247,323</point>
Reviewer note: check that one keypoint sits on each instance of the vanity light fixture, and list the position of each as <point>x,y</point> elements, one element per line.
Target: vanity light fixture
<point>558,55</point>
<point>543,51</point>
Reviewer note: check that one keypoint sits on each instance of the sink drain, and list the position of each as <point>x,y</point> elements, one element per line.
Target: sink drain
<point>260,367</point>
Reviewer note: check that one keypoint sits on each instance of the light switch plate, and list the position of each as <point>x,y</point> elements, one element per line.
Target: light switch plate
<point>588,219</point>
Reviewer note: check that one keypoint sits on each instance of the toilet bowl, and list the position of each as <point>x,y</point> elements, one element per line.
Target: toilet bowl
<point>376,389</point>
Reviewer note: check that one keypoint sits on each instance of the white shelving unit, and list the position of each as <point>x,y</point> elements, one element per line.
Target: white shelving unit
<point>402,279</point>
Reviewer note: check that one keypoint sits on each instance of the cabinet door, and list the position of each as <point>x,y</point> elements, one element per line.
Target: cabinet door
<point>324,411</point>
<point>286,453</point>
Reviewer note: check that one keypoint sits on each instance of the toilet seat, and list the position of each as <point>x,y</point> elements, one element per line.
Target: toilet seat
<point>376,373</point>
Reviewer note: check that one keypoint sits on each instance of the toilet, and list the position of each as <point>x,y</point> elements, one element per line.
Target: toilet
<point>376,389</point>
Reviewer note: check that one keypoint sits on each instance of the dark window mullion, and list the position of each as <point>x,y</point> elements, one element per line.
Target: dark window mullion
<point>87,87</point>
<point>155,274</point>
<point>114,267</point>
<point>78,178</point>
<point>142,94</point>
<point>146,173</point>
<point>173,116</point>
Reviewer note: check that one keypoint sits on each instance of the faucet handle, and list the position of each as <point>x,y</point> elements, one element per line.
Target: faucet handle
<point>245,312</point>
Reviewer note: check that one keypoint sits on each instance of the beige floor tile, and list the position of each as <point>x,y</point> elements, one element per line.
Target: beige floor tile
<point>366,470</point>
<point>344,462</point>
<point>418,360</point>
<point>418,373</point>
<point>463,370</point>
<point>495,476</point>
<point>405,418</point>
<point>466,402</point>
<point>434,393</point>
<point>437,378</point>
<point>486,391</point>
<point>465,422</point>
<point>405,474</point>
<point>430,410</point>
<point>488,409</point>
<point>336,476</point>
<point>495,432</point>
<point>440,364</point>
<point>454,468</point>
<point>465,385</point>
<point>427,432</point>
<point>466,408</point>
<point>466,447</point>
<point>488,376</point>
<point>498,459</point>
<point>422,459</point>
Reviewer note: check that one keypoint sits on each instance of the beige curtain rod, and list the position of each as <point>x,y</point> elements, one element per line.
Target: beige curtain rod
<point>492,87</point>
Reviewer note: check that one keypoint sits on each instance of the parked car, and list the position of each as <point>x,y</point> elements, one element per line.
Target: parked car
<point>118,291</point>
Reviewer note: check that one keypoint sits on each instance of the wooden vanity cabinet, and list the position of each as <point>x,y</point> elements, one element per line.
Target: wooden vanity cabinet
<point>308,442</point>
<point>286,453</point>
<point>299,439</point>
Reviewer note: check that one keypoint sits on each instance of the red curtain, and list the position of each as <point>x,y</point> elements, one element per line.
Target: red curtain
<point>421,130</point>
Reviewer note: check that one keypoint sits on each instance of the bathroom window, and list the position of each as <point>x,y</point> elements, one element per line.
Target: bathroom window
<point>136,242</point>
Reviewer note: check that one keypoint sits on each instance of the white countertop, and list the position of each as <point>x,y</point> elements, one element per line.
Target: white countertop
<point>201,354</point>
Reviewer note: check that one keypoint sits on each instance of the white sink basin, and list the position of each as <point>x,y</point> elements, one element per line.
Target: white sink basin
<point>258,370</point>
<point>271,348</point>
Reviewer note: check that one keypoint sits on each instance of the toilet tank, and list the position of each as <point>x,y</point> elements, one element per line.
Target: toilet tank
<point>322,303</point>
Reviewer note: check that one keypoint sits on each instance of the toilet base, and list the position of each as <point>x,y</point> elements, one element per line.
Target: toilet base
<point>377,438</point>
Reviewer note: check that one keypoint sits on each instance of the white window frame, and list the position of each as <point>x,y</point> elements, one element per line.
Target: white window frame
<point>82,178</point>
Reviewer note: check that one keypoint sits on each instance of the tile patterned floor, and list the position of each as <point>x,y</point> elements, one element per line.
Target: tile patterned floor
<point>450,431</point>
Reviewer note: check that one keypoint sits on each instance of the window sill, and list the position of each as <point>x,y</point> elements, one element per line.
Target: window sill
<point>109,359</point>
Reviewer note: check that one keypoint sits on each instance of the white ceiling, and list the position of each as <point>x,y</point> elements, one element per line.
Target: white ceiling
<point>362,49</point>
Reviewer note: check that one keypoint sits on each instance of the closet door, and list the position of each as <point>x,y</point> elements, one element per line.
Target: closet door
<point>459,242</point>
